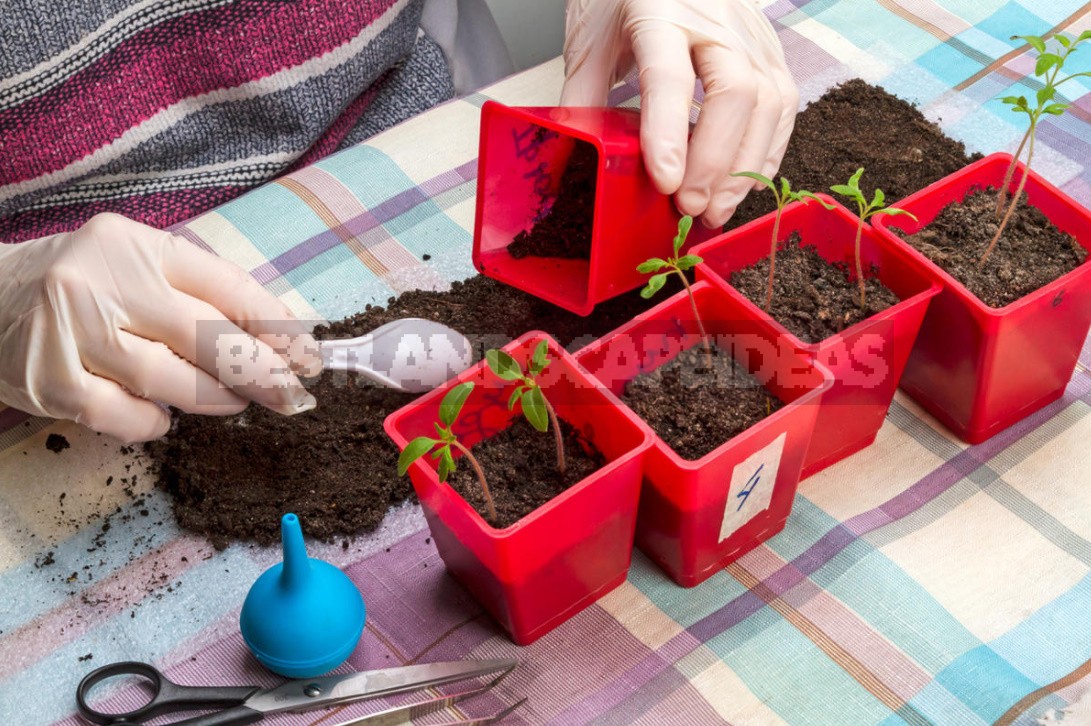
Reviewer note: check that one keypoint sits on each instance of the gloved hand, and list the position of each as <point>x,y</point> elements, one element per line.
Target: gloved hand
<point>750,99</point>
<point>98,324</point>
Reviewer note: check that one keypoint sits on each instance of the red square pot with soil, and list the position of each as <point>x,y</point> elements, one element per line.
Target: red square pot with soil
<point>980,368</point>
<point>866,357</point>
<point>538,571</point>
<point>722,496</point>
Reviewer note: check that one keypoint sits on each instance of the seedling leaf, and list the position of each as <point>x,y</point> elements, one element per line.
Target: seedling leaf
<point>414,450</point>
<point>843,189</point>
<point>652,265</point>
<point>803,196</point>
<point>684,225</point>
<point>655,284</point>
<point>1045,62</point>
<point>540,359</point>
<point>1036,42</point>
<point>1063,40</point>
<point>879,199</point>
<point>688,261</point>
<point>854,180</point>
<point>534,409</point>
<point>503,365</point>
<point>446,463</point>
<point>452,403</point>
<point>758,177</point>
<point>1055,109</point>
<point>894,211</point>
<point>515,396</point>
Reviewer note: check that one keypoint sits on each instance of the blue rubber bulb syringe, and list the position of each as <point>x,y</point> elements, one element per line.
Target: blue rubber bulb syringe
<point>302,617</point>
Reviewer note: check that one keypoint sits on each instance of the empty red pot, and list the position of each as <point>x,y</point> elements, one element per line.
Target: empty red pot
<point>979,369</point>
<point>560,558</point>
<point>523,152</point>
<point>866,359</point>
<point>698,515</point>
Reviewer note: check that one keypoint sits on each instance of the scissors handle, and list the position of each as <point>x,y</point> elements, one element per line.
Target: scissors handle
<point>167,697</point>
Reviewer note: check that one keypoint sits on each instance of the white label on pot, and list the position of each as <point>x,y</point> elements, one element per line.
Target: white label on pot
<point>752,486</point>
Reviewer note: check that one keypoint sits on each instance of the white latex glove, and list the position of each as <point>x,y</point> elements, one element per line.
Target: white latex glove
<point>750,99</point>
<point>98,324</point>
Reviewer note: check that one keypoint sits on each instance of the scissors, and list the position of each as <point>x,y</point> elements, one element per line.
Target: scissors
<point>250,704</point>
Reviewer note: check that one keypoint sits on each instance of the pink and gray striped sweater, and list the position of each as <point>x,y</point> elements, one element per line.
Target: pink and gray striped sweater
<point>161,109</point>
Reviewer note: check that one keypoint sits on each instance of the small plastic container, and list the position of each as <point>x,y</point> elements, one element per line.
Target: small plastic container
<point>698,515</point>
<point>560,558</point>
<point>523,153</point>
<point>866,359</point>
<point>980,369</point>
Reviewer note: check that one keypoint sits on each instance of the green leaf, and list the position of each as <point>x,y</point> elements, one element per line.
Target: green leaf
<point>439,430</point>
<point>1056,109</point>
<point>451,405</point>
<point>655,263</point>
<point>847,191</point>
<point>854,180</point>
<point>1035,42</point>
<point>446,463</point>
<point>1063,39</point>
<point>1085,35</point>
<point>503,365</point>
<point>1045,94</point>
<point>1011,100</point>
<point>879,199</point>
<point>414,450</point>
<point>540,359</point>
<point>654,285</point>
<point>757,177</point>
<point>894,211</point>
<point>684,225</point>
<point>803,195</point>
<point>785,190</point>
<point>688,261</point>
<point>515,396</point>
<point>1045,62</point>
<point>534,409</point>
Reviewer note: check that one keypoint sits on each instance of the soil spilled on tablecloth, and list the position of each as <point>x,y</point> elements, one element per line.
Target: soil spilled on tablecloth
<point>232,478</point>
<point>694,408</point>
<point>564,225</point>
<point>812,298</point>
<point>1031,253</point>
<point>520,466</point>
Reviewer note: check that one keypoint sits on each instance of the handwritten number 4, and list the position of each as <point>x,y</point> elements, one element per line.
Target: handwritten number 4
<point>751,483</point>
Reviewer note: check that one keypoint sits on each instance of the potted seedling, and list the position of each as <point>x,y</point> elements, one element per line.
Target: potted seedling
<point>615,210</point>
<point>676,264</point>
<point>723,470</point>
<point>817,306</point>
<point>449,408</point>
<point>782,197</point>
<point>537,409</point>
<point>1003,338</point>
<point>551,562</point>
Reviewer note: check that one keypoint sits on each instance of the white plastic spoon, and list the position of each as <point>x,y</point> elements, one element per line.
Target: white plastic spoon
<point>411,354</point>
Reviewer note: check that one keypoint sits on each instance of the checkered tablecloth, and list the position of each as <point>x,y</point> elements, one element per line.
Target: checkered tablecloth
<point>920,581</point>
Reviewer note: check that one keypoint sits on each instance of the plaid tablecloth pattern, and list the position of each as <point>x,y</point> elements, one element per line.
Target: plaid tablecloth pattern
<point>921,581</point>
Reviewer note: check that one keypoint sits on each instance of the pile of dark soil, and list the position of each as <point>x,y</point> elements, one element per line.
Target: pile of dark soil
<point>812,298</point>
<point>564,227</point>
<point>232,478</point>
<point>520,465</point>
<point>1031,253</point>
<point>854,125</point>
<point>695,409</point>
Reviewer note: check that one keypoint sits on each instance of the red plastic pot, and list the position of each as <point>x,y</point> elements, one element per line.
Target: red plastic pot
<point>560,558</point>
<point>698,515</point>
<point>523,152</point>
<point>979,369</point>
<point>866,359</point>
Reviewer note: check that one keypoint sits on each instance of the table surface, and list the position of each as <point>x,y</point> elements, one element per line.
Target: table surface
<point>920,581</point>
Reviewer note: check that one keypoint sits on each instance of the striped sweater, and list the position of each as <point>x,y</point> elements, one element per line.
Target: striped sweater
<point>161,109</point>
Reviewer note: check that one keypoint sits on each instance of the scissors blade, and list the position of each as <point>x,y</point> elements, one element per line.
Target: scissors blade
<point>303,695</point>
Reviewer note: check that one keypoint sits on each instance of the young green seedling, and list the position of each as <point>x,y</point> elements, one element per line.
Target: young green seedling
<point>537,409</point>
<point>449,409</point>
<point>677,265</point>
<point>782,196</point>
<point>866,209</point>
<point>1048,68</point>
